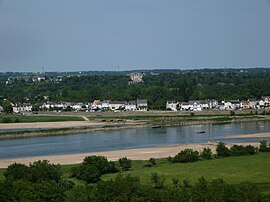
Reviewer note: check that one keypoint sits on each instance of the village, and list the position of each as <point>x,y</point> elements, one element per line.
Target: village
<point>141,105</point>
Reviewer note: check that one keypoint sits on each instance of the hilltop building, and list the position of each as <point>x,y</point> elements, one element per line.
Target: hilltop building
<point>135,77</point>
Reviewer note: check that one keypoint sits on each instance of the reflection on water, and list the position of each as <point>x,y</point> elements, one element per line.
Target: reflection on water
<point>128,138</point>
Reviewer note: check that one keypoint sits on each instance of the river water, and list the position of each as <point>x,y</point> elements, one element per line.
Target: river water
<point>128,138</point>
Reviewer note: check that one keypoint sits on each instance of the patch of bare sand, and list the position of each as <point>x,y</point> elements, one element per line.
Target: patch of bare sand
<point>49,125</point>
<point>134,154</point>
<point>256,135</point>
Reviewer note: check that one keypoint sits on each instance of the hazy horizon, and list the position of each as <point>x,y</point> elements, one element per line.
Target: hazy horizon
<point>103,35</point>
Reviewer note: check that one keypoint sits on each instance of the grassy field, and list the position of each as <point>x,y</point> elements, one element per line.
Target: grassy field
<point>233,170</point>
<point>29,119</point>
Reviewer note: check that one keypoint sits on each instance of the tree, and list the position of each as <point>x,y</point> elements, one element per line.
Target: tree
<point>157,181</point>
<point>187,155</point>
<point>264,146</point>
<point>92,168</point>
<point>238,150</point>
<point>150,163</point>
<point>44,171</point>
<point>206,153</point>
<point>222,150</point>
<point>125,163</point>
<point>7,106</point>
<point>17,171</point>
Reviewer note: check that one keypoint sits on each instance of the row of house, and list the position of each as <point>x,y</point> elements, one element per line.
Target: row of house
<point>138,105</point>
<point>199,105</point>
<point>24,107</point>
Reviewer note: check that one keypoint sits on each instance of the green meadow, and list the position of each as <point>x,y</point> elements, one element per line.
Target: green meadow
<point>31,119</point>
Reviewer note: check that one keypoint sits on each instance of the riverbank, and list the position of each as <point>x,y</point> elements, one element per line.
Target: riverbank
<point>134,154</point>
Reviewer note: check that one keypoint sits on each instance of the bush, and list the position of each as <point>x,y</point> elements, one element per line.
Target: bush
<point>251,150</point>
<point>187,155</point>
<point>101,163</point>
<point>157,181</point>
<point>150,163</point>
<point>232,113</point>
<point>6,120</point>
<point>222,150</point>
<point>264,146</point>
<point>17,171</point>
<point>238,150</point>
<point>125,163</point>
<point>17,120</point>
<point>39,171</point>
<point>170,159</point>
<point>44,171</point>
<point>206,154</point>
<point>92,168</point>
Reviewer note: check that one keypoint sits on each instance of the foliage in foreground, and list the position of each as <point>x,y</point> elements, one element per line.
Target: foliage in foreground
<point>92,168</point>
<point>130,189</point>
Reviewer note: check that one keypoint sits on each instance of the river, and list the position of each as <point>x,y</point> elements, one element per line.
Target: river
<point>128,138</point>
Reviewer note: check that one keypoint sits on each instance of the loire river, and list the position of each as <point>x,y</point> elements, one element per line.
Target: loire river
<point>127,139</point>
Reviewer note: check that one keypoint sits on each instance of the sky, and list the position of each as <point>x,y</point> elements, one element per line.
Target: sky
<point>87,35</point>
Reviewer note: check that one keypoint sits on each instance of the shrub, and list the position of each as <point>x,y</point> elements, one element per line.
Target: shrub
<point>150,163</point>
<point>17,171</point>
<point>44,171</point>
<point>100,163</point>
<point>157,181</point>
<point>39,171</point>
<point>232,113</point>
<point>264,146</point>
<point>251,150</point>
<point>17,120</point>
<point>125,163</point>
<point>170,159</point>
<point>187,155</point>
<point>92,168</point>
<point>6,120</point>
<point>206,153</point>
<point>222,150</point>
<point>238,150</point>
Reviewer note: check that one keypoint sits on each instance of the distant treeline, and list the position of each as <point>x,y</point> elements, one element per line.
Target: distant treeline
<point>157,88</point>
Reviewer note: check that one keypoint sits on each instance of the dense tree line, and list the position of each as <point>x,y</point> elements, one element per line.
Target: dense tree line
<point>181,86</point>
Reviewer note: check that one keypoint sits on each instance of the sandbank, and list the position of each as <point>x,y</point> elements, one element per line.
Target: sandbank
<point>49,125</point>
<point>256,135</point>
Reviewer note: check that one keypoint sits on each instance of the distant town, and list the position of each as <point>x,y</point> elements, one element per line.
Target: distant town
<point>171,90</point>
<point>141,105</point>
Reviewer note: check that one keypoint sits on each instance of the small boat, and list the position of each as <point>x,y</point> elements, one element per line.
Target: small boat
<point>201,132</point>
<point>155,126</point>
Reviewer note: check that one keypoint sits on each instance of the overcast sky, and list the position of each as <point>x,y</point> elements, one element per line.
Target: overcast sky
<point>72,35</point>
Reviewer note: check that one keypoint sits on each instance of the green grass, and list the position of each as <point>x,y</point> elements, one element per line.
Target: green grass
<point>29,119</point>
<point>254,168</point>
<point>233,170</point>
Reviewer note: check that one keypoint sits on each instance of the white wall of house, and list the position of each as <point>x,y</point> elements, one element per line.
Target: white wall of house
<point>130,107</point>
<point>171,105</point>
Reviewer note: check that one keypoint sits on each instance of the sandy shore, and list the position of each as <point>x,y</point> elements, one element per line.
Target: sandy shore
<point>256,135</point>
<point>51,125</point>
<point>134,154</point>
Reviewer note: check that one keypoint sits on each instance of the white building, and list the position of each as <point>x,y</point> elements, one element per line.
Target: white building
<point>172,105</point>
<point>117,105</point>
<point>142,105</point>
<point>25,107</point>
<point>135,77</point>
<point>131,106</point>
